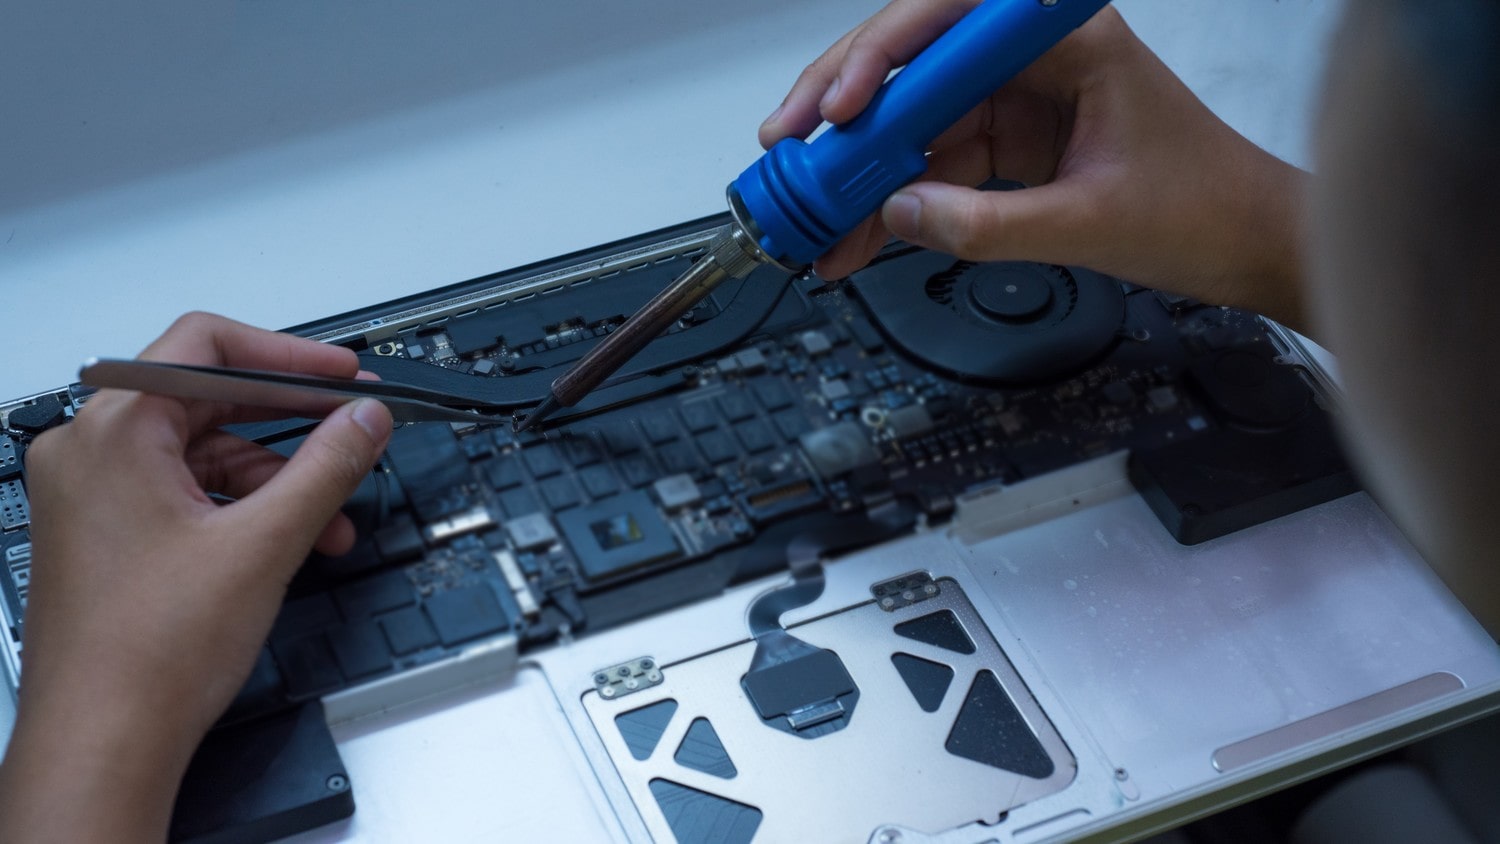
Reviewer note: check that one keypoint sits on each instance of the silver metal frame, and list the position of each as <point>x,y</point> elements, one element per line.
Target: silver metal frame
<point>1188,651</point>
<point>385,327</point>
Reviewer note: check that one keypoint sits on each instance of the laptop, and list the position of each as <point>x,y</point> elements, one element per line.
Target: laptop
<point>943,552</point>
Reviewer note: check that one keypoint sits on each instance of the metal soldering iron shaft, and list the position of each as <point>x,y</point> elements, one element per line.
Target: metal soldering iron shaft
<point>727,258</point>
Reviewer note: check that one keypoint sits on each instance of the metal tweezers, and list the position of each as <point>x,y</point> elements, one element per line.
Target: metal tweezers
<point>313,396</point>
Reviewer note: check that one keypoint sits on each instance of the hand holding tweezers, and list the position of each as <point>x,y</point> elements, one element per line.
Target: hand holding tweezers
<point>305,395</point>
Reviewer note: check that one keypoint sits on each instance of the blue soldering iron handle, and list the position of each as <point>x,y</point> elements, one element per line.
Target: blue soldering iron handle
<point>801,198</point>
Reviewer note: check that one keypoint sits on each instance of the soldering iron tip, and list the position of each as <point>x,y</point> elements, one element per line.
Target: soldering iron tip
<point>542,411</point>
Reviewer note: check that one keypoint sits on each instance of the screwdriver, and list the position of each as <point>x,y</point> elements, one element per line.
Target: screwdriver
<point>800,198</point>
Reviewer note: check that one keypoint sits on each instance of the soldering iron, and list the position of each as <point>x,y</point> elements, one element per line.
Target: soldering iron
<point>800,198</point>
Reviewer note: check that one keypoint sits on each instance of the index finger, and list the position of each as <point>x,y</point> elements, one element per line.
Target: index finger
<point>888,40</point>
<point>839,84</point>
<point>209,339</point>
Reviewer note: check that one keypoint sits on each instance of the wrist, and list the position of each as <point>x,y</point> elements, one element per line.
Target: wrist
<point>123,763</point>
<point>1270,276</point>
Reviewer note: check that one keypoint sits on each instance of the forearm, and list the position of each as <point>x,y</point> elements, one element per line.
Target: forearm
<point>1251,255</point>
<point>89,770</point>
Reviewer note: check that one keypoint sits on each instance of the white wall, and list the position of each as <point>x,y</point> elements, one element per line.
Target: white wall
<point>283,160</point>
<point>1257,63</point>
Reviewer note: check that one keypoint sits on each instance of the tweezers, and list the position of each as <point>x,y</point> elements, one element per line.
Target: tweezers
<point>305,395</point>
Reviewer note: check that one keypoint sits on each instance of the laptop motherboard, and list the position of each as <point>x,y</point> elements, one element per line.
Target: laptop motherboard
<point>779,407</point>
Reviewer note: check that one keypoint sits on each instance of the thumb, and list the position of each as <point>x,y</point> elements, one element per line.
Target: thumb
<point>308,491</point>
<point>1030,224</point>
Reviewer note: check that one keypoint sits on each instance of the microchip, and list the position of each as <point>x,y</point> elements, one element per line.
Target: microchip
<point>838,449</point>
<point>529,532</point>
<point>598,481</point>
<point>617,534</point>
<point>717,446</point>
<point>834,390</point>
<point>407,630</point>
<point>751,360</point>
<point>699,416</point>
<point>581,450</point>
<point>519,502</point>
<point>736,406</point>
<point>559,493</point>
<point>659,429</point>
<point>385,591</point>
<point>678,457</point>
<point>617,531</point>
<point>773,394</point>
<point>815,343</point>
<point>484,366</point>
<point>466,613</point>
<point>677,491</point>
<point>542,460</point>
<point>636,470</point>
<point>755,435</point>
<point>360,649</point>
<point>909,421</point>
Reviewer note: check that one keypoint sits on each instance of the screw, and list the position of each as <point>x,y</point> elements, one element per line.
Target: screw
<point>632,684</point>
<point>891,836</point>
<point>337,782</point>
<point>601,678</point>
<point>930,588</point>
<point>887,602</point>
<point>647,664</point>
<point>1121,775</point>
<point>624,671</point>
<point>607,691</point>
<point>908,595</point>
<point>1049,2</point>
<point>654,676</point>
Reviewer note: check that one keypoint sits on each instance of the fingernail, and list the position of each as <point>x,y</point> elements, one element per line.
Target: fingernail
<point>372,418</point>
<point>775,115</point>
<point>829,95</point>
<point>903,214</point>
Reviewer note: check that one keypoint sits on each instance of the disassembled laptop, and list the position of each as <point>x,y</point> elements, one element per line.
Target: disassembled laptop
<point>906,416</point>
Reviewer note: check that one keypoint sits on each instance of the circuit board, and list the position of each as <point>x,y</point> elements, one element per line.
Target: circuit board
<point>777,407</point>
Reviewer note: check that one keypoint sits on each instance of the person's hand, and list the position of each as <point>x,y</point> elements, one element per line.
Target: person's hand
<point>1128,172</point>
<point>150,600</point>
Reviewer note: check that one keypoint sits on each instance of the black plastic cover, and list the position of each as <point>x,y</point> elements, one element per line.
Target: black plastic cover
<point>1279,453</point>
<point>263,780</point>
<point>38,416</point>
